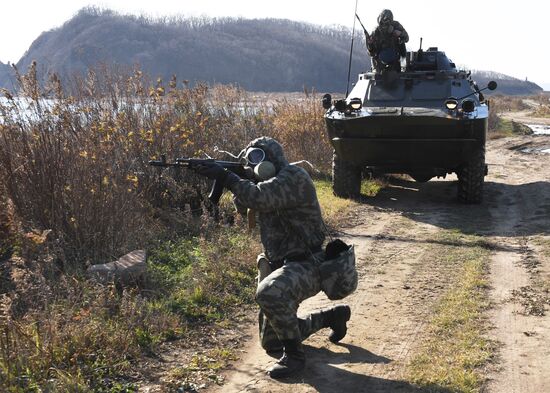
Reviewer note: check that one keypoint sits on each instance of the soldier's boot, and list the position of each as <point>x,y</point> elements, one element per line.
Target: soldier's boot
<point>336,318</point>
<point>292,362</point>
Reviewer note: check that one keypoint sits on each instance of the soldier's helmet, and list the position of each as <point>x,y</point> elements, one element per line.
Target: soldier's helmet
<point>385,17</point>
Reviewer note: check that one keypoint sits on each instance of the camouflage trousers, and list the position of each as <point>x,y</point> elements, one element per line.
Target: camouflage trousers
<point>279,294</point>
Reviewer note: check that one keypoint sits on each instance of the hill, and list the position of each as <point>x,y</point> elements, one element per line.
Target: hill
<point>506,84</point>
<point>257,54</point>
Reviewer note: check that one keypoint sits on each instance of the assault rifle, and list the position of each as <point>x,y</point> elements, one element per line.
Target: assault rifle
<point>367,35</point>
<point>217,187</point>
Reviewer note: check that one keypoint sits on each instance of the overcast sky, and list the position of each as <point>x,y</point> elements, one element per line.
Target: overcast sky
<point>507,37</point>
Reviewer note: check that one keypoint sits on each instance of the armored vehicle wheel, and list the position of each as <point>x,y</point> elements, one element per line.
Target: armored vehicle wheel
<point>346,178</point>
<point>471,178</point>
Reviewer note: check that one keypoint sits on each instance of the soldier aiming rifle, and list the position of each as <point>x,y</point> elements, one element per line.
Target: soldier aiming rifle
<point>292,233</point>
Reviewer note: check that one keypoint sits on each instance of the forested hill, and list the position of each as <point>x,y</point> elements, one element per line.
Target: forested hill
<point>257,54</point>
<point>506,84</point>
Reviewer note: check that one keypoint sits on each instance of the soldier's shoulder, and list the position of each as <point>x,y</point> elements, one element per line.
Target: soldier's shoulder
<point>295,172</point>
<point>293,168</point>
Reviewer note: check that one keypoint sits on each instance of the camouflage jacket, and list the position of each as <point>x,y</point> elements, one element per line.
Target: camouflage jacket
<point>289,213</point>
<point>387,37</point>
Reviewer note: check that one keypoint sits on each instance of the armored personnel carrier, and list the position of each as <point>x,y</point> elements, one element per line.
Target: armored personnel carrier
<point>428,120</point>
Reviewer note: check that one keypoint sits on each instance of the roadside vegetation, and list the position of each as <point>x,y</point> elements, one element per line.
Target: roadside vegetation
<point>456,348</point>
<point>76,190</point>
<point>499,127</point>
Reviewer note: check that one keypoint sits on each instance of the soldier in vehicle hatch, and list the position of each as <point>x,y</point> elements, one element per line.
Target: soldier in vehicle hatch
<point>386,45</point>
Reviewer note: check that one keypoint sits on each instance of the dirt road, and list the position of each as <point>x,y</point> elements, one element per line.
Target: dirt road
<point>396,235</point>
<point>526,118</point>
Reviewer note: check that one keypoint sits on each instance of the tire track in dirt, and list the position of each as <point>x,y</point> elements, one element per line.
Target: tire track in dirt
<point>523,357</point>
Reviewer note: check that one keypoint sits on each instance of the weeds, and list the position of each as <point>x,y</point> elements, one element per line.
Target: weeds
<point>541,111</point>
<point>93,334</point>
<point>456,347</point>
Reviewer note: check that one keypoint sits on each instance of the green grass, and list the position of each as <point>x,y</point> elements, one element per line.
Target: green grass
<point>370,188</point>
<point>456,347</point>
<point>202,279</point>
<point>333,206</point>
<point>93,336</point>
<point>505,128</point>
<point>89,339</point>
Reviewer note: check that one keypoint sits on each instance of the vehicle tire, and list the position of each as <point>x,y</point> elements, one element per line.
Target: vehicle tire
<point>346,178</point>
<point>471,178</point>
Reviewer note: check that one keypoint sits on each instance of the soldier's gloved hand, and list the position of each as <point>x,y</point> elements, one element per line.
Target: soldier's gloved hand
<point>211,170</point>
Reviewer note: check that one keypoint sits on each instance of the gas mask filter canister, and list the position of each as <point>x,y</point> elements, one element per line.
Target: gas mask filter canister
<point>264,170</point>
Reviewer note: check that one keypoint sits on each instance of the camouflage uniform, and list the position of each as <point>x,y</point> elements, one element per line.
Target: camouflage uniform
<point>291,227</point>
<point>387,35</point>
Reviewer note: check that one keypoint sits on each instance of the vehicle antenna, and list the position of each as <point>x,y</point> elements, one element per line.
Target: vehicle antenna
<point>420,44</point>
<point>351,50</point>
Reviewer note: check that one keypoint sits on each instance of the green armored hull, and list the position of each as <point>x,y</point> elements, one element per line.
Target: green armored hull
<point>429,120</point>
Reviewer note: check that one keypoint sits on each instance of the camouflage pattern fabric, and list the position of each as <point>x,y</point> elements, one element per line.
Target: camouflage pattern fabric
<point>339,275</point>
<point>279,295</point>
<point>288,199</point>
<point>287,205</point>
<point>384,37</point>
<point>307,325</point>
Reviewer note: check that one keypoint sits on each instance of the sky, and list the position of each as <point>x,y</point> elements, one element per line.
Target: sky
<point>509,37</point>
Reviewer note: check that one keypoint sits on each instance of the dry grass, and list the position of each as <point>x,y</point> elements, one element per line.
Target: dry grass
<point>77,189</point>
<point>78,164</point>
<point>81,336</point>
<point>456,348</point>
<point>541,111</point>
<point>499,104</point>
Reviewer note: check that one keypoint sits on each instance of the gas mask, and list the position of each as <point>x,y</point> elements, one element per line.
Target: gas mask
<point>255,160</point>
<point>385,18</point>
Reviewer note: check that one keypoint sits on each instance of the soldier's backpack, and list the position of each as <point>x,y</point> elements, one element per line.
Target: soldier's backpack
<point>337,267</point>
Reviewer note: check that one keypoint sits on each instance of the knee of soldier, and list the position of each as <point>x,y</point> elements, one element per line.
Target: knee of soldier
<point>268,293</point>
<point>262,293</point>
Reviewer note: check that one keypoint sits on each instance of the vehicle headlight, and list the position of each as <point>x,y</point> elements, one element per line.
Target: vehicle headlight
<point>355,104</point>
<point>451,104</point>
<point>468,106</point>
